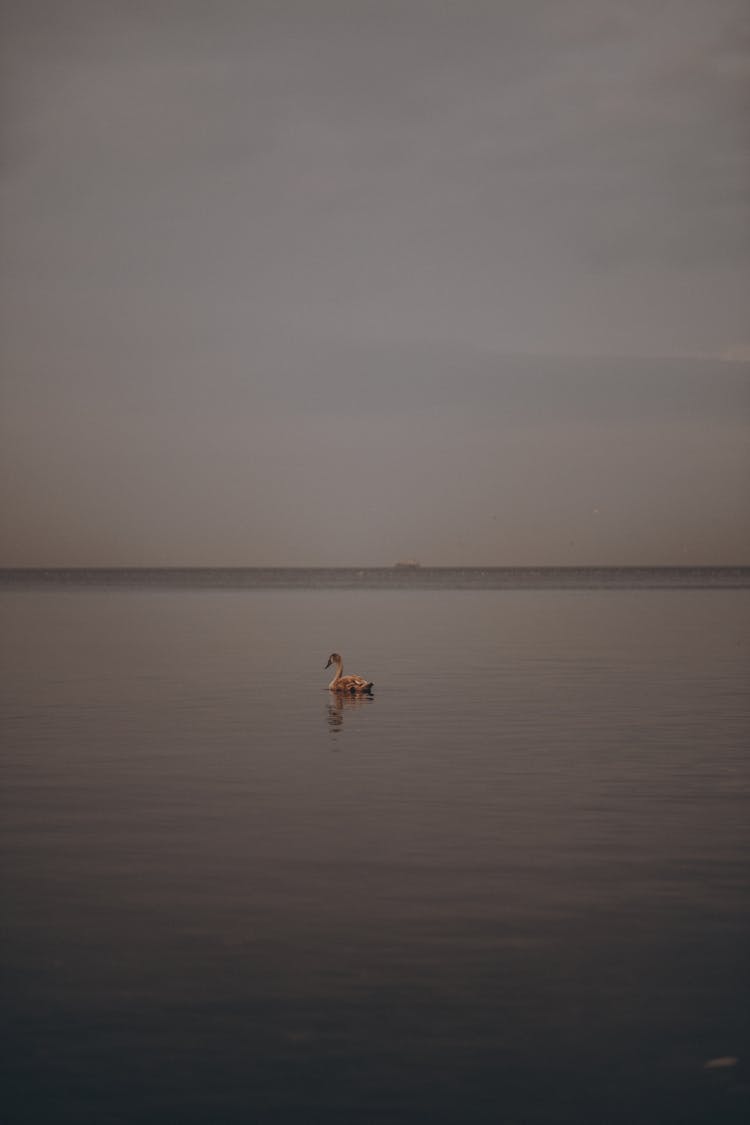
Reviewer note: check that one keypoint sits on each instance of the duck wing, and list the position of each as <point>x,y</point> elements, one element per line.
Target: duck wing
<point>353,683</point>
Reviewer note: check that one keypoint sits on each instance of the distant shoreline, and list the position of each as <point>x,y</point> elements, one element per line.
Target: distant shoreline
<point>381,577</point>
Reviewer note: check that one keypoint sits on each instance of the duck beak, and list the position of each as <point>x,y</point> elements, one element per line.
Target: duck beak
<point>328,665</point>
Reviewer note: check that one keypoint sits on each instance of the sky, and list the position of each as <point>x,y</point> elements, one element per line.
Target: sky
<point>340,282</point>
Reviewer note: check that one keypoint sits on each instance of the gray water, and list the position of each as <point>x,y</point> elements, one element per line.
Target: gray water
<point>511,887</point>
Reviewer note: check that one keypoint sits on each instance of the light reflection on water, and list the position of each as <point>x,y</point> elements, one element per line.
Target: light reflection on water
<point>339,705</point>
<point>511,886</point>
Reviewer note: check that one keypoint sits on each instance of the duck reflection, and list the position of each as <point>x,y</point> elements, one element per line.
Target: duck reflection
<point>339,705</point>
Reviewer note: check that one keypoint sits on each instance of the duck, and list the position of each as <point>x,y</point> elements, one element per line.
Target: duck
<point>354,685</point>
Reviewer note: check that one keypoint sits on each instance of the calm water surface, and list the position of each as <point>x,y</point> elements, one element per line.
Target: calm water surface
<point>510,888</point>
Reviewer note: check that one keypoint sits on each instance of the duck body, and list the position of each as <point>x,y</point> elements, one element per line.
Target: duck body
<point>351,685</point>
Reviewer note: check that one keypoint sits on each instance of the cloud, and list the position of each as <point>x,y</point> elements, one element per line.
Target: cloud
<point>455,458</point>
<point>737,353</point>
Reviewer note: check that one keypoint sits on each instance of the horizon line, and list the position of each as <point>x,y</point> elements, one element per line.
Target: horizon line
<point>377,566</point>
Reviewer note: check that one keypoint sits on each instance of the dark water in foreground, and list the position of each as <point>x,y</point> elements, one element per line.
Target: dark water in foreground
<point>510,888</point>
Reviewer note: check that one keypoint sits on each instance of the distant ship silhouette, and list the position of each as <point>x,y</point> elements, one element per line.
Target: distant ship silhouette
<point>407,564</point>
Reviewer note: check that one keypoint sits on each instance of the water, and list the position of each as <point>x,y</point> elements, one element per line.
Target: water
<point>510,888</point>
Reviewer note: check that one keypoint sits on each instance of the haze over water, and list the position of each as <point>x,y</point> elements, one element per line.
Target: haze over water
<point>510,887</point>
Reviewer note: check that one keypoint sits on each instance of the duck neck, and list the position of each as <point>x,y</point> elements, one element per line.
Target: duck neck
<point>339,670</point>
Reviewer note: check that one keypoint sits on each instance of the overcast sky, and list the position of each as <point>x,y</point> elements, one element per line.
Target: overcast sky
<point>343,281</point>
